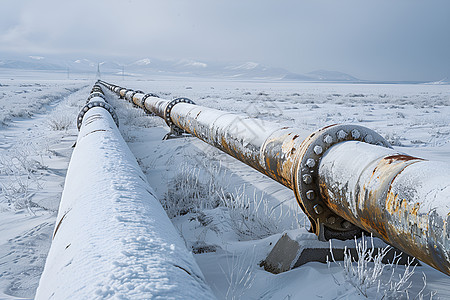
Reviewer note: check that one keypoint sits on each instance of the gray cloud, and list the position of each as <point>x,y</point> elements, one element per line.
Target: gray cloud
<point>385,40</point>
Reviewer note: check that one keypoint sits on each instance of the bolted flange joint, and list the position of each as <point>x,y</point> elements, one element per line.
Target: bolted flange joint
<point>96,88</point>
<point>142,103</point>
<point>92,104</point>
<point>324,222</point>
<point>125,93</point>
<point>174,129</point>
<point>95,94</point>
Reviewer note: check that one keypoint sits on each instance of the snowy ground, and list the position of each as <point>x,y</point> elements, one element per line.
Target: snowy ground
<point>227,213</point>
<point>36,136</point>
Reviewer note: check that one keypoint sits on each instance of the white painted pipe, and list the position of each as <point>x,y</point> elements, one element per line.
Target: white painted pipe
<point>112,238</point>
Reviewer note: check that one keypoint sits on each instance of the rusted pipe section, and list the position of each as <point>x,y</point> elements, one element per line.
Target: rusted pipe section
<point>342,191</point>
<point>273,150</point>
<point>402,199</point>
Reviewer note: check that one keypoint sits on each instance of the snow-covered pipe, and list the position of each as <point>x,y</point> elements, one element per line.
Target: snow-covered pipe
<point>341,189</point>
<point>112,238</point>
<point>403,199</point>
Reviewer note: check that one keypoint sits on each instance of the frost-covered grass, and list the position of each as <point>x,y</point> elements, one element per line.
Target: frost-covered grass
<point>239,274</point>
<point>22,162</point>
<point>25,98</point>
<point>197,190</point>
<point>374,279</point>
<point>33,161</point>
<point>194,189</point>
<point>61,121</point>
<point>21,174</point>
<point>253,217</point>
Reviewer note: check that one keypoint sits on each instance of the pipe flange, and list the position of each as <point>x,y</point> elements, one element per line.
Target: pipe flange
<point>96,87</point>
<point>324,222</point>
<point>97,91</point>
<point>92,104</point>
<point>169,107</point>
<point>95,94</point>
<point>132,95</point>
<point>124,94</point>
<point>142,103</point>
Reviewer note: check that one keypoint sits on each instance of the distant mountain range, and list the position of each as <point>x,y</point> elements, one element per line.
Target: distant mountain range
<point>185,67</point>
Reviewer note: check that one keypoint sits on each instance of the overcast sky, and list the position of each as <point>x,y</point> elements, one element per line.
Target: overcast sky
<point>379,39</point>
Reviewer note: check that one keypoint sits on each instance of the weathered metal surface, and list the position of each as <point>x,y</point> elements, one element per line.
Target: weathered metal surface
<point>402,199</point>
<point>324,222</point>
<point>282,153</point>
<point>338,178</point>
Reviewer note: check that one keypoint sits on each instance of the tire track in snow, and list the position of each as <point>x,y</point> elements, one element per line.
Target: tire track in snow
<point>26,234</point>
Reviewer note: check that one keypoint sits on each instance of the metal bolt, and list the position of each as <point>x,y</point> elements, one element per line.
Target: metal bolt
<point>369,139</point>
<point>356,134</point>
<point>346,224</point>
<point>328,139</point>
<point>310,195</point>
<point>318,150</point>
<point>318,209</point>
<point>307,179</point>
<point>341,134</point>
<point>310,162</point>
<point>331,219</point>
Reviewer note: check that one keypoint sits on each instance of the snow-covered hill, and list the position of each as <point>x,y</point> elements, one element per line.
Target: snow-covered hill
<point>184,67</point>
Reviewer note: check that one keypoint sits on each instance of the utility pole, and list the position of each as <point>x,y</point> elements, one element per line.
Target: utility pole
<point>98,72</point>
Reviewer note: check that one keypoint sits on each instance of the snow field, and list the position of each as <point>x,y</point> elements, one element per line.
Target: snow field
<point>33,163</point>
<point>414,117</point>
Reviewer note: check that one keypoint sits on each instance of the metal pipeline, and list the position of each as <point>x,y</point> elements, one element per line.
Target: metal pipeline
<point>112,237</point>
<point>346,178</point>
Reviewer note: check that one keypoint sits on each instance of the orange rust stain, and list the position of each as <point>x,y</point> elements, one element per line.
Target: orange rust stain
<point>328,126</point>
<point>415,209</point>
<point>400,157</point>
<point>59,224</point>
<point>268,163</point>
<point>378,226</point>
<point>392,205</point>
